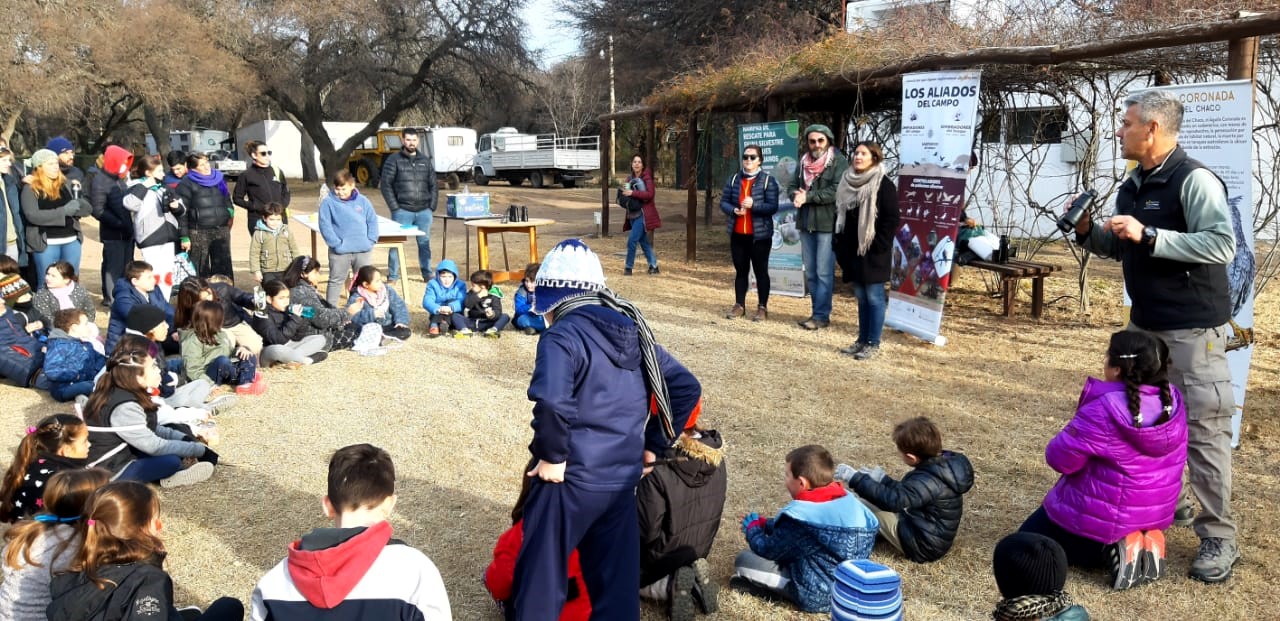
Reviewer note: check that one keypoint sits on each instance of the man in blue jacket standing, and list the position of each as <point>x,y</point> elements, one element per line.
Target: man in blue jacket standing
<point>409,187</point>
<point>597,371</point>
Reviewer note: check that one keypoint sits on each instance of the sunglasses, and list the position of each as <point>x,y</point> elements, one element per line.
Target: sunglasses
<point>750,158</point>
<point>263,153</point>
<point>817,141</point>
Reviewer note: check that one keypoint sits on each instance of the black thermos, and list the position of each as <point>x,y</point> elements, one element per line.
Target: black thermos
<point>1067,223</point>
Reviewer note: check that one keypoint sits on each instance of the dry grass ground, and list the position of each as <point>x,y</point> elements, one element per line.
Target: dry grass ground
<point>454,415</point>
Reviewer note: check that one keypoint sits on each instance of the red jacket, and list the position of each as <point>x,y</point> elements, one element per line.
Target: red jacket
<point>651,218</point>
<point>501,573</point>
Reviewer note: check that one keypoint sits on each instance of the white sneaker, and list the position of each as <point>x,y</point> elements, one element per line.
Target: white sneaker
<point>199,472</point>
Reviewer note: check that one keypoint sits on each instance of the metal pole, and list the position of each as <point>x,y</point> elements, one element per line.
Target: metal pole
<point>604,193</point>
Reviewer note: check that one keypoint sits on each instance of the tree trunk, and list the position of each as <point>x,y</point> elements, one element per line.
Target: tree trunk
<point>159,127</point>
<point>308,154</point>
<point>10,124</point>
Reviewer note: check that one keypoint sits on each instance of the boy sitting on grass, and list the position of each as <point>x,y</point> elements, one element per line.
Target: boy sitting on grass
<point>354,570</point>
<point>482,310</point>
<point>73,357</point>
<point>795,554</point>
<point>919,515</point>
<point>525,319</point>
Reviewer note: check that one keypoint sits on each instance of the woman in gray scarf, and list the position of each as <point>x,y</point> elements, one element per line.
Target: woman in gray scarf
<point>866,218</point>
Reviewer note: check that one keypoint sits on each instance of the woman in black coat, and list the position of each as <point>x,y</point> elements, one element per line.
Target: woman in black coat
<point>866,218</point>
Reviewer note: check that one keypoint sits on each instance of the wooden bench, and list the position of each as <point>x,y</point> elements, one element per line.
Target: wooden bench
<point>1013,271</point>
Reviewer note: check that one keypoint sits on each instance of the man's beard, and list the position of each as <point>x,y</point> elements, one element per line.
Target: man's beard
<point>410,149</point>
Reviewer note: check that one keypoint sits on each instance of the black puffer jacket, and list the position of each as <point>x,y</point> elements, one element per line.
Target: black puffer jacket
<point>134,592</point>
<point>682,500</point>
<point>927,500</point>
<point>409,182</point>
<point>237,303</point>
<point>207,208</point>
<point>279,328</point>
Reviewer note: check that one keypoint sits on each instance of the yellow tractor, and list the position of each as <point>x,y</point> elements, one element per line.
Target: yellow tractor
<point>365,163</point>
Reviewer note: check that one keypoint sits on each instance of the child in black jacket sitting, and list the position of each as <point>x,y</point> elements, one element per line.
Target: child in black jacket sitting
<point>919,515</point>
<point>482,310</point>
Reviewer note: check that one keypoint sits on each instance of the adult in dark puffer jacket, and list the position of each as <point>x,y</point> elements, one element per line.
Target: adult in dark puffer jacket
<point>409,187</point>
<point>681,502</point>
<point>928,502</point>
<point>206,225</point>
<point>115,224</point>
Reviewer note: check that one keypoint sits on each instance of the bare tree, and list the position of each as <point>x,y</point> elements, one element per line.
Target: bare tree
<point>571,96</point>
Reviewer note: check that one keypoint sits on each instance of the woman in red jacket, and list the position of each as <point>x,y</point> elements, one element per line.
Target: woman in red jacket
<point>500,574</point>
<point>640,186</point>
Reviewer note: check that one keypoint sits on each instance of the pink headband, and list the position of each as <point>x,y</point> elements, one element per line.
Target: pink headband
<point>31,430</point>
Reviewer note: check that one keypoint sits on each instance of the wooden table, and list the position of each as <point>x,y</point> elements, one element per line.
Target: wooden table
<point>391,235</point>
<point>1013,271</point>
<point>484,228</point>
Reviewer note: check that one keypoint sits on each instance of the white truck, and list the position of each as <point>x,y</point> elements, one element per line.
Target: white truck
<point>543,159</point>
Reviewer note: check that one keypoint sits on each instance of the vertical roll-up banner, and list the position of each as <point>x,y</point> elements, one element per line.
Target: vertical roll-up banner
<point>779,143</point>
<point>1217,130</point>
<point>939,110</point>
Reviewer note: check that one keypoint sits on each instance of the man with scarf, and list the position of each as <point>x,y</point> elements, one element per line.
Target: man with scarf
<point>206,226</point>
<point>866,219</point>
<point>606,397</point>
<point>813,191</point>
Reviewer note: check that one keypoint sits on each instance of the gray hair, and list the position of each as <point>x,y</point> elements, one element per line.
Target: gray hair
<point>1160,106</point>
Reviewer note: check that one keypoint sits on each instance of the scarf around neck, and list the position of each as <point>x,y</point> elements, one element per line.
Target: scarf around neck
<point>380,300</point>
<point>813,168</point>
<point>1029,607</point>
<point>212,180</point>
<point>653,378</point>
<point>858,191</point>
<point>63,295</point>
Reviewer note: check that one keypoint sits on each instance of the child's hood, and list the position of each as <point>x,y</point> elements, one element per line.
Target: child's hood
<point>830,506</point>
<point>495,291</point>
<point>698,459</point>
<point>447,265</point>
<point>1155,441</point>
<point>327,563</point>
<point>262,226</point>
<point>953,469</point>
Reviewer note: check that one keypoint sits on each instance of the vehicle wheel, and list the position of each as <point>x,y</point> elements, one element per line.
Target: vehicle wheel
<point>367,173</point>
<point>453,181</point>
<point>569,184</point>
<point>515,180</point>
<point>535,179</point>
<point>480,178</point>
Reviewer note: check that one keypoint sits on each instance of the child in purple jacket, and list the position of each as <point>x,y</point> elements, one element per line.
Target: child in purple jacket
<point>1121,459</point>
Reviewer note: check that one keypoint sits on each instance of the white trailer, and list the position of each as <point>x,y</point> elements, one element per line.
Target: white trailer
<point>285,142</point>
<point>543,159</point>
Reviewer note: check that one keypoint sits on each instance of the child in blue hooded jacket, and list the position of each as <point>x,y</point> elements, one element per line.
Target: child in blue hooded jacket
<point>795,554</point>
<point>525,319</point>
<point>444,297</point>
<point>73,358</point>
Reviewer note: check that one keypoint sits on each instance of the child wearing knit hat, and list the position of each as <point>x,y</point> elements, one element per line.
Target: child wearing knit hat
<point>15,291</point>
<point>1031,571</point>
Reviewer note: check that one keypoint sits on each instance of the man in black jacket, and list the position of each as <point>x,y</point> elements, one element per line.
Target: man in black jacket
<point>409,187</point>
<point>115,224</point>
<point>260,185</point>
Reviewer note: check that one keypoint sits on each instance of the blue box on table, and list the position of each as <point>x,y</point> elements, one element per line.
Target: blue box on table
<point>467,205</point>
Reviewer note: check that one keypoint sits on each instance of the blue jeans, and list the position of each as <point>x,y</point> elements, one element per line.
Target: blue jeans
<point>66,391</point>
<point>640,236</point>
<point>819,271</point>
<point>151,469</point>
<point>224,370</point>
<point>52,254</point>
<point>422,221</point>
<point>872,301</point>
<point>531,320</point>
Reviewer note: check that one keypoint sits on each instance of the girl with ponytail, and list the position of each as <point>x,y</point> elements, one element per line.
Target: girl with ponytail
<point>1121,458</point>
<point>36,549</point>
<point>59,442</point>
<point>118,572</point>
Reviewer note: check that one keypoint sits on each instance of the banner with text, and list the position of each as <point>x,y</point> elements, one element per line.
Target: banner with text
<point>1217,129</point>
<point>939,110</point>
<point>779,143</point>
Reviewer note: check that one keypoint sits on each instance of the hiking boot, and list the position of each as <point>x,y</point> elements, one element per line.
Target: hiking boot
<point>198,472</point>
<point>433,332</point>
<point>706,592</point>
<point>1214,562</point>
<point>1184,516</point>
<point>814,324</point>
<point>1151,563</point>
<point>762,314</point>
<point>492,333</point>
<point>680,600</point>
<point>530,331</point>
<point>853,350</point>
<point>653,269</point>
<point>1122,556</point>
<point>737,311</point>
<point>868,352</point>
<point>318,357</point>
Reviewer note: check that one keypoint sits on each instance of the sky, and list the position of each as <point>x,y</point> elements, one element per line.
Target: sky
<point>555,41</point>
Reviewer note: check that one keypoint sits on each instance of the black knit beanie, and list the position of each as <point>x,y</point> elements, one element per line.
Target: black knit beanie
<point>1029,564</point>
<point>144,317</point>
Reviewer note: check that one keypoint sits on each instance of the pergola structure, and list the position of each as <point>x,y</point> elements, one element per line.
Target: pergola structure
<point>882,85</point>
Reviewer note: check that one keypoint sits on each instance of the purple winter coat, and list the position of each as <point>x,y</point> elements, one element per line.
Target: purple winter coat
<point>1117,478</point>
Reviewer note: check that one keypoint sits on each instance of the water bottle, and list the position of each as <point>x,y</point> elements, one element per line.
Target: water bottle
<point>1067,223</point>
<point>308,312</point>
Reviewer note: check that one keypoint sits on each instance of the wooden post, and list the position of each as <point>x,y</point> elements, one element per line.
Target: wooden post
<point>773,109</point>
<point>1242,59</point>
<point>606,180</point>
<point>706,173</point>
<point>691,184</point>
<point>650,149</point>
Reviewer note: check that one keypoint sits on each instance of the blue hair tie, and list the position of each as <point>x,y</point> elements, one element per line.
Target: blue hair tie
<point>49,518</point>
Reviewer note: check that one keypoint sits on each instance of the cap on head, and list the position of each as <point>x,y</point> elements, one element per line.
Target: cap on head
<point>60,144</point>
<point>143,318</point>
<point>42,157</point>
